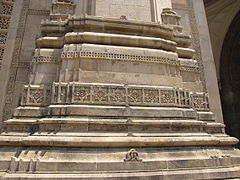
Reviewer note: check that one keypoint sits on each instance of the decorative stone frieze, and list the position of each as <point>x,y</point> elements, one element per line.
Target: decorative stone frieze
<point>191,66</point>
<point>116,94</point>
<point>44,59</point>
<point>194,69</point>
<point>164,59</point>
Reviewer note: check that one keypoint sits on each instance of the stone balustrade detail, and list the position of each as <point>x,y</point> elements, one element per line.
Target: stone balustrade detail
<point>114,94</point>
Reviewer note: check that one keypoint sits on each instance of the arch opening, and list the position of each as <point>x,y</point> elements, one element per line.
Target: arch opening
<point>230,79</point>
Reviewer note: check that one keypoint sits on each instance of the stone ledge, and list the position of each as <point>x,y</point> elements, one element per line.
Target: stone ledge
<point>116,141</point>
<point>120,111</point>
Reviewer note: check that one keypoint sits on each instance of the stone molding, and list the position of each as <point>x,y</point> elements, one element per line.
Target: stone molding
<point>75,55</point>
<point>70,55</point>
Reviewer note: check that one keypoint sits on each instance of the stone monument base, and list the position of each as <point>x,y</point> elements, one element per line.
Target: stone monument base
<point>176,144</point>
<point>115,163</point>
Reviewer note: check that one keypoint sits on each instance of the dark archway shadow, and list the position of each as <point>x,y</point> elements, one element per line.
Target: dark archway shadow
<point>230,79</point>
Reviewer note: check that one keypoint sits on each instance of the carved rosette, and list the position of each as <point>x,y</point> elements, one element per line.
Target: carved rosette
<point>81,94</point>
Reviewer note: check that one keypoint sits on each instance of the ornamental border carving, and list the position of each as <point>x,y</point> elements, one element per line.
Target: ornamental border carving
<point>38,12</point>
<point>195,42</point>
<point>117,56</point>
<point>7,112</point>
<point>125,95</point>
<point>75,55</point>
<point>44,59</point>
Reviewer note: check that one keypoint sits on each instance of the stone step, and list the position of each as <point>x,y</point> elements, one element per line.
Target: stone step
<point>121,125</point>
<point>118,134</point>
<point>92,162</point>
<point>104,111</point>
<point>116,141</point>
<point>222,173</point>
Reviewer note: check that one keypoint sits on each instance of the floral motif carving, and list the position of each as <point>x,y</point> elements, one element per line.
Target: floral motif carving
<point>118,94</point>
<point>36,96</point>
<point>81,93</point>
<point>151,95</point>
<point>132,156</point>
<point>100,94</point>
<point>167,96</point>
<point>199,101</point>
<point>135,95</point>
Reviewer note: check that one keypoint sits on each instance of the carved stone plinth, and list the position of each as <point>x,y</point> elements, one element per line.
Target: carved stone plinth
<point>118,99</point>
